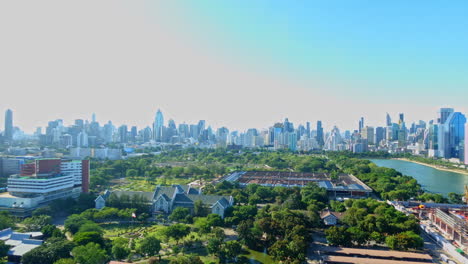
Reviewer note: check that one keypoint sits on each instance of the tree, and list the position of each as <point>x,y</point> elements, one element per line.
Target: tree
<point>177,231</point>
<point>6,220</point>
<point>214,246</point>
<point>65,261</point>
<point>132,173</point>
<point>358,236</point>
<point>36,223</point>
<point>455,198</point>
<point>179,214</point>
<point>90,254</point>
<point>49,252</point>
<point>84,238</point>
<point>51,231</point>
<point>3,249</point>
<point>74,222</point>
<point>279,250</point>
<point>120,251</point>
<point>91,227</point>
<point>199,209</point>
<point>46,210</point>
<point>337,206</point>
<point>338,236</point>
<point>190,259</point>
<point>149,246</point>
<point>404,241</point>
<point>232,249</point>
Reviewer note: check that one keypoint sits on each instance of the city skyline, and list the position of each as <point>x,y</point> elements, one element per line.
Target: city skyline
<point>200,61</point>
<point>327,126</point>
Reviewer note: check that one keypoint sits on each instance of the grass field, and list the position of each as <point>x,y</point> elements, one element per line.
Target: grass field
<point>141,184</point>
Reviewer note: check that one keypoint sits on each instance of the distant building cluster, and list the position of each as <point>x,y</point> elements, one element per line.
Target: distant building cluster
<point>443,137</point>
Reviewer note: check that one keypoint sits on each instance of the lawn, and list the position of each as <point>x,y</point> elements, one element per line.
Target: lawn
<point>259,257</point>
<point>141,184</point>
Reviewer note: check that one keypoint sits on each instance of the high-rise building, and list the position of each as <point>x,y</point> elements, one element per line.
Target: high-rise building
<point>401,119</point>
<point>123,134</point>
<point>368,133</point>
<point>465,157</point>
<point>451,136</point>
<point>320,140</point>
<point>444,113</point>
<point>8,134</point>
<point>361,124</point>
<point>388,120</point>
<point>158,126</point>
<point>379,135</point>
<point>133,133</point>
<point>308,129</point>
<point>334,140</point>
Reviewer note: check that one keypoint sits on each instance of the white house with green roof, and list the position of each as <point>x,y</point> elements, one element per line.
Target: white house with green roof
<point>164,199</point>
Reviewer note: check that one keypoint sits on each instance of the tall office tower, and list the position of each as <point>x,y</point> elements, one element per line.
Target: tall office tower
<point>147,134</point>
<point>158,126</point>
<point>288,126</point>
<point>108,132</point>
<point>79,123</point>
<point>361,124</point>
<point>389,120</point>
<point>133,133</point>
<point>184,130</point>
<point>451,136</point>
<point>401,119</point>
<point>8,125</point>
<point>333,140</point>
<point>444,113</point>
<point>379,135</point>
<point>320,140</point>
<point>308,129</point>
<point>368,133</point>
<point>465,157</point>
<point>292,141</point>
<point>194,131</point>
<point>82,139</point>
<point>123,132</point>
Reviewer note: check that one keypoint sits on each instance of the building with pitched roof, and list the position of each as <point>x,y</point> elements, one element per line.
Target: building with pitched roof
<point>20,243</point>
<point>165,199</point>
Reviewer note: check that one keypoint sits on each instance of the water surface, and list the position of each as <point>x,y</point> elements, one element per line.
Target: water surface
<point>432,180</point>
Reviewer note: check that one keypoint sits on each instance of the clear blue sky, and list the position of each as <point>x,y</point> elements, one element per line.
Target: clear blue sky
<point>235,63</point>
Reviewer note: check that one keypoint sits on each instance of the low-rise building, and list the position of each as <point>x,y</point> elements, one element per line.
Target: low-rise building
<point>331,218</point>
<point>20,243</point>
<point>167,198</point>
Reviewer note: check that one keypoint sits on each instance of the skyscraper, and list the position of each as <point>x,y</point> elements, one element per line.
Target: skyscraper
<point>401,119</point>
<point>320,140</point>
<point>8,125</point>
<point>361,124</point>
<point>379,135</point>
<point>368,133</point>
<point>465,157</point>
<point>158,126</point>
<point>444,113</point>
<point>452,133</point>
<point>389,120</point>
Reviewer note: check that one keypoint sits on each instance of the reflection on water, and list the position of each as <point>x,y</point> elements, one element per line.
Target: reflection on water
<point>431,180</point>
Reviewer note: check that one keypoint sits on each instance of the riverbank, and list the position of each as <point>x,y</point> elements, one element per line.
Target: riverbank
<point>461,171</point>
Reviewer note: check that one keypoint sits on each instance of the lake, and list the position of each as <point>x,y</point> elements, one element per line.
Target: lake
<point>431,180</point>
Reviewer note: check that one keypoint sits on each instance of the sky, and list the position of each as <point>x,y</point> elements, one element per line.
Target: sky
<point>238,64</point>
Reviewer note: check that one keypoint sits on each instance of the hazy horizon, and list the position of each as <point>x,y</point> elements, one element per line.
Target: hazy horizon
<point>240,65</point>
